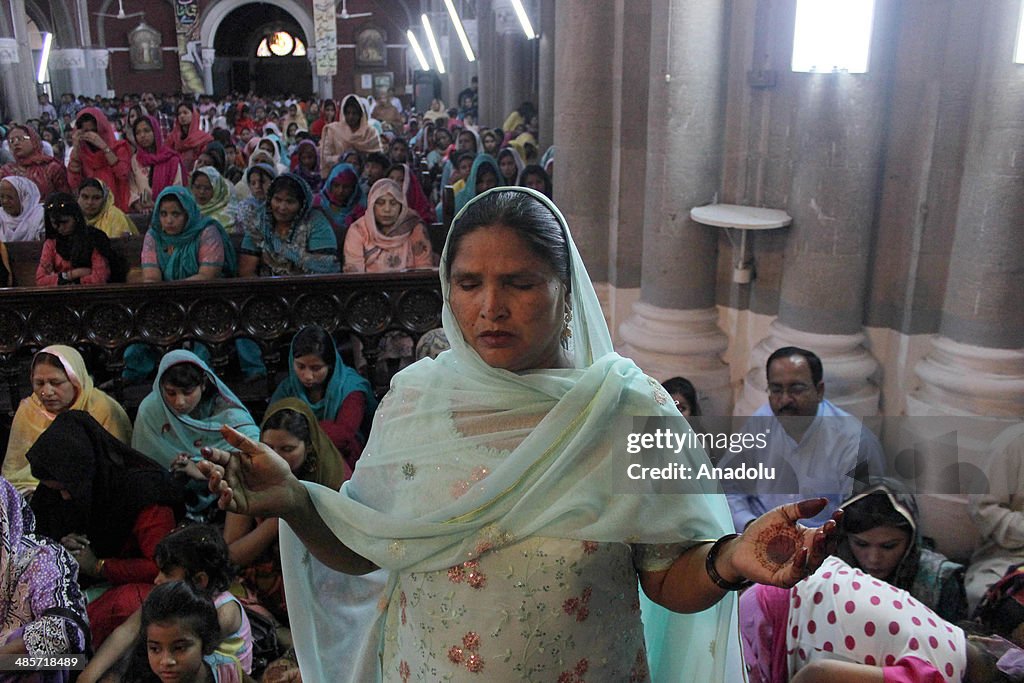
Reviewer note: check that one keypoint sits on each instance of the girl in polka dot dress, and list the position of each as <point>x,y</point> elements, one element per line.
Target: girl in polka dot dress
<point>841,624</point>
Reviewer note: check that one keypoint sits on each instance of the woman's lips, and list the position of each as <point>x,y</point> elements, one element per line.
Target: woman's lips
<point>496,339</point>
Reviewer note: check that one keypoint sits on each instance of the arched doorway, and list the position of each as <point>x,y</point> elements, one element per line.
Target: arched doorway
<point>271,60</point>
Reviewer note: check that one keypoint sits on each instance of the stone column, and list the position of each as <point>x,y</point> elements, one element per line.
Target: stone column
<point>546,75</point>
<point>673,328</point>
<point>976,365</point>
<point>17,70</point>
<point>838,124</point>
<point>209,56</point>
<point>584,66</point>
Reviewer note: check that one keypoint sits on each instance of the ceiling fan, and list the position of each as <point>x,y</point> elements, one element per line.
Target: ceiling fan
<point>344,12</point>
<point>120,12</point>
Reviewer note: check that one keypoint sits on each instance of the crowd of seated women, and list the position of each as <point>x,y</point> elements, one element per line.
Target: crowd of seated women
<point>104,509</point>
<point>304,201</point>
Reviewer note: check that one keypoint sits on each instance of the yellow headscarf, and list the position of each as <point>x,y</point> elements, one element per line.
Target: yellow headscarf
<point>112,220</point>
<point>32,418</point>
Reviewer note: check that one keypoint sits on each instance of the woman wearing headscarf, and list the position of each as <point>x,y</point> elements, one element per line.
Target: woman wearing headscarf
<point>109,506</point>
<point>486,490</point>
<point>328,114</point>
<point>305,163</point>
<point>414,195</point>
<point>187,138</point>
<point>97,204</point>
<point>60,382</point>
<point>74,252</point>
<point>181,244</point>
<point>389,237</point>
<point>215,196</point>
<point>271,144</point>
<point>252,189</point>
<point>341,399</point>
<point>526,145</point>
<point>154,165</point>
<point>437,111</point>
<point>353,131</point>
<point>21,214</point>
<point>339,197</point>
<point>44,610</point>
<point>182,414</point>
<point>287,237</point>
<point>879,534</point>
<point>47,173</point>
<point>511,165</point>
<point>290,425</point>
<point>484,175</point>
<point>97,153</point>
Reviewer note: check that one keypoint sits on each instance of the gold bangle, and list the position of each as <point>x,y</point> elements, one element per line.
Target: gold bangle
<point>99,566</point>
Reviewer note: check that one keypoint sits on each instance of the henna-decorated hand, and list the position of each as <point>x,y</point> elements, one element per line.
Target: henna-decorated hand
<point>253,480</point>
<point>776,549</point>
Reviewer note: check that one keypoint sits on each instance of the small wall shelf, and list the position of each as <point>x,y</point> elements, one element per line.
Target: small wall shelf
<point>742,218</point>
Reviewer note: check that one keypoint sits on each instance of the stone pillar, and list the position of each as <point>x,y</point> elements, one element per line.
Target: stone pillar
<point>546,75</point>
<point>673,328</point>
<point>486,57</point>
<point>67,68</point>
<point>584,67</point>
<point>17,70</point>
<point>97,61</point>
<point>838,124</point>
<point>976,365</point>
<point>209,56</point>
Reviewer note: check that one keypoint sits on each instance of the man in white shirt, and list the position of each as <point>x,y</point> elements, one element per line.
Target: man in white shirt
<point>813,447</point>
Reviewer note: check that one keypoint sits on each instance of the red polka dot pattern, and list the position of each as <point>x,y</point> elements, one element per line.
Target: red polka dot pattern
<point>859,620</point>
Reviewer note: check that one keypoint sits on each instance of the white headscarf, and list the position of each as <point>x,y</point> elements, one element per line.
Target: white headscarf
<point>27,225</point>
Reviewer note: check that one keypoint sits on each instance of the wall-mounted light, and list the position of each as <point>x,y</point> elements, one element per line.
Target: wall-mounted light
<point>832,37</point>
<point>517,5</point>
<point>460,31</point>
<point>433,43</point>
<point>1018,54</point>
<point>44,59</point>
<point>417,50</point>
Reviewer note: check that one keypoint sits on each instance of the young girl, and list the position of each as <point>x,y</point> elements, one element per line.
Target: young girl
<point>74,252</point>
<point>340,398</point>
<point>177,639</point>
<point>197,556</point>
<point>182,414</point>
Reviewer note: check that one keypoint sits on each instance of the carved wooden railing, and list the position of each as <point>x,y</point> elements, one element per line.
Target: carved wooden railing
<point>102,320</point>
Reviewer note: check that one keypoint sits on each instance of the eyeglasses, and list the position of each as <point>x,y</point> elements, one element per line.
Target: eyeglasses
<point>794,390</point>
<point>18,138</point>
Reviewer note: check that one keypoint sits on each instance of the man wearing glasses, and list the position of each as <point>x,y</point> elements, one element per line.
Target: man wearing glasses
<point>811,445</point>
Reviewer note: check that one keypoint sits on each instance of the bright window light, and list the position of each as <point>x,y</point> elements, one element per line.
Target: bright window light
<point>1018,54</point>
<point>420,57</point>
<point>832,36</point>
<point>434,49</point>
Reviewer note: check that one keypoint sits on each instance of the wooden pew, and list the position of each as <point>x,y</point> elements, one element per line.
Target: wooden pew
<point>102,320</point>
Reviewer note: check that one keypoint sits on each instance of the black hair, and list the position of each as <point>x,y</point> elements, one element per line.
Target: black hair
<point>47,358</point>
<point>296,424</point>
<point>788,351</point>
<point>290,184</point>
<point>183,375</point>
<point>197,548</point>
<point>685,388</point>
<point>399,141</point>
<point>872,511</point>
<point>315,340</point>
<point>457,158</point>
<point>58,205</point>
<point>90,182</point>
<point>216,150</point>
<point>377,158</point>
<point>523,213</point>
<point>537,170</point>
<point>145,120</point>
<point>85,118</point>
<point>222,135</point>
<point>180,601</point>
<point>395,167</point>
